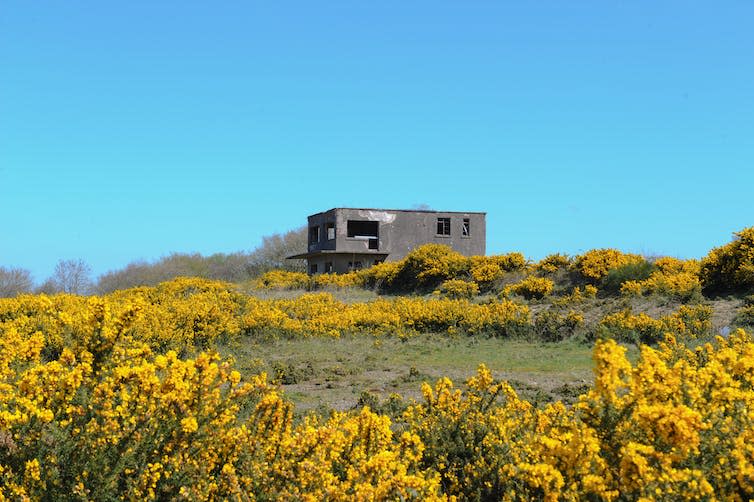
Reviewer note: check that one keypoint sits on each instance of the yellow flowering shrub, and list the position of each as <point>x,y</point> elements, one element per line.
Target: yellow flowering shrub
<point>428,265</point>
<point>348,280</point>
<point>485,272</point>
<point>690,322</point>
<point>282,279</point>
<point>89,410</point>
<point>730,268</point>
<point>596,263</point>
<point>673,277</point>
<point>190,314</point>
<point>383,274</point>
<point>552,263</point>
<point>531,287</point>
<point>457,288</point>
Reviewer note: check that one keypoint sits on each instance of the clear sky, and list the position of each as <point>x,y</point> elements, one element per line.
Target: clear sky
<point>130,130</point>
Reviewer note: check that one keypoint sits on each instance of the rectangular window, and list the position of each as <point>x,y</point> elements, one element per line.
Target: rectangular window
<point>443,226</point>
<point>313,268</point>
<point>357,229</point>
<point>330,231</point>
<point>466,228</point>
<point>313,235</point>
<point>328,267</point>
<point>374,244</point>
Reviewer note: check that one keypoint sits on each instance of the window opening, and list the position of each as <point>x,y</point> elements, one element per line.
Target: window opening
<point>328,267</point>
<point>330,231</point>
<point>313,268</point>
<point>313,235</point>
<point>466,228</point>
<point>363,229</point>
<point>443,226</point>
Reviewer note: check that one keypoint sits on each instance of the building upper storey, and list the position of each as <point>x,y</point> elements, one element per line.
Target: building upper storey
<point>393,233</point>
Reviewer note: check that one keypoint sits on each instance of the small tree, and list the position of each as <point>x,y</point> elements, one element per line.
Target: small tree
<point>14,281</point>
<point>274,250</point>
<point>72,276</point>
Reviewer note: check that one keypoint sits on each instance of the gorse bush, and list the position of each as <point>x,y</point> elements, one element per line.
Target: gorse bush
<point>634,271</point>
<point>690,322</point>
<point>427,266</point>
<point>456,288</point>
<point>594,265</point>
<point>552,263</point>
<point>730,268</point>
<point>531,287</point>
<point>423,269</point>
<point>672,277</point>
<point>95,406</point>
<point>110,419</point>
<point>662,429</point>
<point>189,314</point>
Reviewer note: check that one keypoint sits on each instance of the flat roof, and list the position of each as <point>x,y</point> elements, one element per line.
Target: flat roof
<point>397,210</point>
<point>302,256</point>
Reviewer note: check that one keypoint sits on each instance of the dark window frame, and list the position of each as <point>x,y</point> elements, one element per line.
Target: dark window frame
<point>362,229</point>
<point>443,226</point>
<point>314,234</point>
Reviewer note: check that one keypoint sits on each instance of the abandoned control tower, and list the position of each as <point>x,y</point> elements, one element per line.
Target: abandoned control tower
<point>345,239</point>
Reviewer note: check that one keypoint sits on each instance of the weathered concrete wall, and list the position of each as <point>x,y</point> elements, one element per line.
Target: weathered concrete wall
<point>400,231</point>
<point>342,263</point>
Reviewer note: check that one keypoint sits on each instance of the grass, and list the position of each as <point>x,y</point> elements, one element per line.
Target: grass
<point>325,374</point>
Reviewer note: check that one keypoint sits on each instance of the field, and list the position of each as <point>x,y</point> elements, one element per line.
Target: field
<point>324,373</point>
<point>439,377</point>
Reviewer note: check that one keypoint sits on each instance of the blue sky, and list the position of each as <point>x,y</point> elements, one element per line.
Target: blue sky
<point>130,130</point>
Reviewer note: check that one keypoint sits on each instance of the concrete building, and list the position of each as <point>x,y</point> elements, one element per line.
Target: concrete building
<point>344,239</point>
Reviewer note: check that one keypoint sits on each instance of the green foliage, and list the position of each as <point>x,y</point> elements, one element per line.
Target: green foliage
<point>730,268</point>
<point>745,316</point>
<point>633,271</point>
<point>554,326</point>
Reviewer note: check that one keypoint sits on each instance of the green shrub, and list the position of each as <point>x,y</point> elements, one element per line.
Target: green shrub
<point>745,316</point>
<point>633,271</point>
<point>730,268</point>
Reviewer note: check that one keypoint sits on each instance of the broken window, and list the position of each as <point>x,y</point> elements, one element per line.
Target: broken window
<point>330,231</point>
<point>313,235</point>
<point>363,229</point>
<point>313,268</point>
<point>328,267</point>
<point>466,227</point>
<point>443,226</point>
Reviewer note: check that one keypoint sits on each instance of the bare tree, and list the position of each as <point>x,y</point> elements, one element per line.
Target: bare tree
<point>14,281</point>
<point>72,276</point>
<point>276,248</point>
<point>235,267</point>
